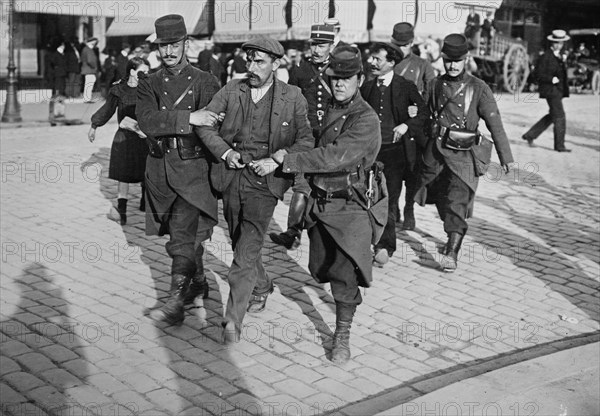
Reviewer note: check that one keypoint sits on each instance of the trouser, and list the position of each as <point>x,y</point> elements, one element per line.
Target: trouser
<point>88,86</point>
<point>396,171</point>
<point>187,225</point>
<point>73,87</point>
<point>557,116</point>
<point>452,197</point>
<point>248,207</point>
<point>341,271</point>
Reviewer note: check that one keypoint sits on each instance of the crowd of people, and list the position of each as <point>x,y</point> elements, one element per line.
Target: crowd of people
<point>346,132</point>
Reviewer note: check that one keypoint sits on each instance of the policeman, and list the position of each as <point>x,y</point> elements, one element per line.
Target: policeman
<point>338,225</point>
<point>457,154</point>
<point>179,195</point>
<point>313,80</point>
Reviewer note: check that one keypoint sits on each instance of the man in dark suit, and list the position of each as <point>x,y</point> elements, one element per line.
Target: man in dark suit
<point>402,137</point>
<point>551,72</point>
<point>180,199</point>
<point>263,115</point>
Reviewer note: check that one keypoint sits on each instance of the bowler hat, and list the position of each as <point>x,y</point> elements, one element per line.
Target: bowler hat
<point>455,47</point>
<point>345,61</point>
<point>265,44</point>
<point>558,35</point>
<point>403,34</point>
<point>170,29</point>
<point>322,34</point>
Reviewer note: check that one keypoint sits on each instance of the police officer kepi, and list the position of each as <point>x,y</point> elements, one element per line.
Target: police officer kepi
<point>180,199</point>
<point>338,222</point>
<point>457,153</point>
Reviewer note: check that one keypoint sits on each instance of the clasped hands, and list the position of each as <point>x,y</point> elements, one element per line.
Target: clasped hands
<point>261,167</point>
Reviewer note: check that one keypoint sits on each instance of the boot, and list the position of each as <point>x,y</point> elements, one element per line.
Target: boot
<point>198,286</point>
<point>172,312</point>
<point>290,239</point>
<point>409,218</point>
<point>122,208</point>
<point>143,198</point>
<point>344,313</point>
<point>450,258</point>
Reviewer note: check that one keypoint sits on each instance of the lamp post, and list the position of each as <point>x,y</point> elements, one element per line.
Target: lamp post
<point>12,113</point>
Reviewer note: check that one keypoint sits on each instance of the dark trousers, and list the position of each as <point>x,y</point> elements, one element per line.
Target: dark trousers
<point>73,86</point>
<point>396,171</point>
<point>341,270</point>
<point>187,224</point>
<point>557,116</point>
<point>452,197</point>
<point>248,207</point>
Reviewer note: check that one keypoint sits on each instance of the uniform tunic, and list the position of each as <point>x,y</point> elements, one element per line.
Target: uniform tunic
<point>451,176</point>
<point>308,77</point>
<point>418,71</point>
<point>179,191</point>
<point>129,151</point>
<point>339,230</point>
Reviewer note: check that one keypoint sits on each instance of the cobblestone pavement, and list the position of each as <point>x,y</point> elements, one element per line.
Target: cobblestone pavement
<point>76,287</point>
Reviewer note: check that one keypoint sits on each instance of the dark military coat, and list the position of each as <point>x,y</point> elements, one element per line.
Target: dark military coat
<point>467,165</point>
<point>351,141</point>
<point>171,175</point>
<point>418,71</point>
<point>314,83</point>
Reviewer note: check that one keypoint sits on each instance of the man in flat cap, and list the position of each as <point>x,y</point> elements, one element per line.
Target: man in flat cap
<point>263,115</point>
<point>312,79</point>
<point>420,72</point>
<point>338,223</point>
<point>180,201</point>
<point>551,71</point>
<point>457,153</point>
<point>391,95</point>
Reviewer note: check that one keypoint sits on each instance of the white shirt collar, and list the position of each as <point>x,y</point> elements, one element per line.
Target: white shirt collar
<point>387,78</point>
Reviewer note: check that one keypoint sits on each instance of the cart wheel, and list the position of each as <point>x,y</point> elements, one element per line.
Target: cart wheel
<point>516,69</point>
<point>596,83</point>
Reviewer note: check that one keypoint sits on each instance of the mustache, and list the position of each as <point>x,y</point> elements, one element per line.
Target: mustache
<point>170,57</point>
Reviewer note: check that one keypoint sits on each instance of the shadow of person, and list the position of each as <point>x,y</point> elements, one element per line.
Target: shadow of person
<point>43,349</point>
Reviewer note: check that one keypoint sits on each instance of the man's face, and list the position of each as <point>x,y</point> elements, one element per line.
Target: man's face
<point>260,67</point>
<point>343,89</point>
<point>320,52</point>
<point>406,49</point>
<point>171,53</point>
<point>557,46</point>
<point>379,63</point>
<point>454,68</point>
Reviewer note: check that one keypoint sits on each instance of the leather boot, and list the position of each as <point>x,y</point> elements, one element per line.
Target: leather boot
<point>122,210</point>
<point>198,284</point>
<point>143,198</point>
<point>344,313</point>
<point>409,218</point>
<point>172,312</point>
<point>450,257</point>
<point>290,239</point>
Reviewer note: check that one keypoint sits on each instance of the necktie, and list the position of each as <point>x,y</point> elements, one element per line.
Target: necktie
<point>380,84</point>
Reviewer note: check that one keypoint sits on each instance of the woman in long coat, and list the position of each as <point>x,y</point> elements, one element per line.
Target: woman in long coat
<point>129,150</point>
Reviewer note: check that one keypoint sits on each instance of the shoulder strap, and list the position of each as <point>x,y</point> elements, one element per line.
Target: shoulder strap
<point>320,78</point>
<point>439,111</point>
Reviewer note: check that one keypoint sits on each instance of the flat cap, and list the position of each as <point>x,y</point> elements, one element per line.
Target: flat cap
<point>265,44</point>
<point>345,61</point>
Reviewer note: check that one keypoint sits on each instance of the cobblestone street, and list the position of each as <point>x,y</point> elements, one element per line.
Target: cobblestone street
<point>75,289</point>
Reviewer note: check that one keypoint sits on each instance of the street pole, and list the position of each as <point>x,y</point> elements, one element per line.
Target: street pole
<point>12,113</point>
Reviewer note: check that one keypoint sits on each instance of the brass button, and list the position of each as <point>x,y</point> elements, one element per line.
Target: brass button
<point>164,108</point>
<point>166,79</point>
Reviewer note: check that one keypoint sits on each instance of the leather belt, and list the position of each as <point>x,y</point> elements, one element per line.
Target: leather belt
<point>324,196</point>
<point>169,142</point>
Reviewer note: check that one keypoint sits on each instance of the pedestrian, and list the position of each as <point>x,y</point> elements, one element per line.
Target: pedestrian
<point>90,67</point>
<point>57,69</point>
<point>457,154</point>
<point>473,28</point>
<point>551,72</point>
<point>180,201</point>
<point>338,225</point>
<point>412,67</point>
<point>488,31</point>
<point>391,95</point>
<point>110,72</point>
<point>263,115</point>
<point>312,79</point>
<point>122,60</point>
<point>72,54</point>
<point>128,151</point>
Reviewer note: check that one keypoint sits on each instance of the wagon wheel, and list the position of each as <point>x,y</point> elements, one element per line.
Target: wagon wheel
<point>596,82</point>
<point>516,68</point>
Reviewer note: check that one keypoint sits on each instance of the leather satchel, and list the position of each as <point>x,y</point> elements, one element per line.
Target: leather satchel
<point>458,139</point>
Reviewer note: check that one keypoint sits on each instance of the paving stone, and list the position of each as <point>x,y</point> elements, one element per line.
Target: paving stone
<point>8,366</point>
<point>168,400</point>
<point>60,378</point>
<point>58,353</point>
<point>35,362</point>
<point>106,383</point>
<point>23,382</point>
<point>135,402</point>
